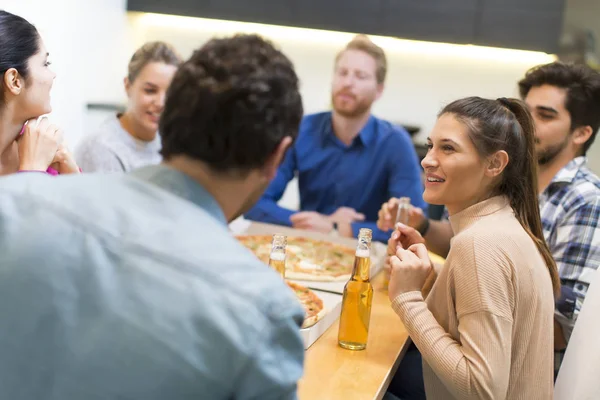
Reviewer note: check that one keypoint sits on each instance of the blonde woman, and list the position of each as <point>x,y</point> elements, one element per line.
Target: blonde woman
<point>130,140</point>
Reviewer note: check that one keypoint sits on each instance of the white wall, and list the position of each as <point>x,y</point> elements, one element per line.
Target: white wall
<point>88,42</point>
<point>419,83</point>
<point>91,42</point>
<point>422,77</point>
<point>585,14</point>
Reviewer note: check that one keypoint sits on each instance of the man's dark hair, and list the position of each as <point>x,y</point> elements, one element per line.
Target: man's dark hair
<point>583,92</point>
<point>231,104</point>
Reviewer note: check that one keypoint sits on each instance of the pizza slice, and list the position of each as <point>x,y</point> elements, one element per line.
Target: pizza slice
<point>307,259</point>
<point>313,305</point>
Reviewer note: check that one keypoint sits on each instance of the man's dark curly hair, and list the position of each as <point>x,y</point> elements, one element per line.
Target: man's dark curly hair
<point>583,92</point>
<point>231,104</point>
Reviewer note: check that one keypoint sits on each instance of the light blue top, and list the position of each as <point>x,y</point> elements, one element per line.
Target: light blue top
<point>131,287</point>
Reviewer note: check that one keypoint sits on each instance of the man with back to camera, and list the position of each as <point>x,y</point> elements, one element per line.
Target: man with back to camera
<point>131,286</point>
<point>348,161</point>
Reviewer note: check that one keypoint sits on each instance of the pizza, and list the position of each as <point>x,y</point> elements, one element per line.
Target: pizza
<point>306,259</point>
<point>313,305</point>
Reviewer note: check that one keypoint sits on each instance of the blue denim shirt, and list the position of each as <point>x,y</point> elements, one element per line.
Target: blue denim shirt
<point>131,287</point>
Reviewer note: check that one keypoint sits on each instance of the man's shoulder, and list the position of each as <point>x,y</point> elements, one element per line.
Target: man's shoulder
<point>107,205</point>
<point>586,182</point>
<point>39,186</point>
<point>136,223</point>
<point>68,189</point>
<point>315,123</point>
<point>583,190</point>
<point>316,117</point>
<point>392,132</point>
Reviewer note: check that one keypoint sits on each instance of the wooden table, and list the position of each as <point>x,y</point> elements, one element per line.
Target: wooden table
<point>331,372</point>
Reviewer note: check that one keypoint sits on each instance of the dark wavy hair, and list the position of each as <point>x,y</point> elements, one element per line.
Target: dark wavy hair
<point>583,92</point>
<point>231,104</point>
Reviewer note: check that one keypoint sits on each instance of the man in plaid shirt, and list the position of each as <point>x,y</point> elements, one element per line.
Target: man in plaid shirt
<point>564,101</point>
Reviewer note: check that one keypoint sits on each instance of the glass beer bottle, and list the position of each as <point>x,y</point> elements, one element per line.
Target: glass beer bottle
<point>402,215</point>
<point>277,257</point>
<point>358,297</point>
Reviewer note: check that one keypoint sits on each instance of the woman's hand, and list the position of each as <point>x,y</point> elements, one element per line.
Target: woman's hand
<point>64,162</point>
<point>409,270</point>
<point>402,238</point>
<point>38,145</point>
<point>387,215</point>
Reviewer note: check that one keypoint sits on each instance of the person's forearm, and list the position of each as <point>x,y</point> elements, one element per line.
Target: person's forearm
<point>437,238</point>
<point>268,211</point>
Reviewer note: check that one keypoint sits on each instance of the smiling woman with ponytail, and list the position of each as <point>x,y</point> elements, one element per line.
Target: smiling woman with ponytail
<point>486,329</point>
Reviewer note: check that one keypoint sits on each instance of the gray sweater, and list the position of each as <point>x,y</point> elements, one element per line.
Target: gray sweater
<point>112,149</point>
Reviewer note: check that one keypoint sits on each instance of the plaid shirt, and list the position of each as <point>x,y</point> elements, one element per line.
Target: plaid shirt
<point>570,210</point>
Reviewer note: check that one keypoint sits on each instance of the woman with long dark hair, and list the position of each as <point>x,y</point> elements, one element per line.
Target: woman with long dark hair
<point>486,328</point>
<point>28,141</point>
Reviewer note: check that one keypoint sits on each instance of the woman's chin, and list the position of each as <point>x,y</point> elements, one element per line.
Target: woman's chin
<point>432,198</point>
<point>150,131</point>
<point>38,112</point>
<point>46,108</point>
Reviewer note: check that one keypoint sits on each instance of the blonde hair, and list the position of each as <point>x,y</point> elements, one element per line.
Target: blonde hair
<point>151,52</point>
<point>364,44</point>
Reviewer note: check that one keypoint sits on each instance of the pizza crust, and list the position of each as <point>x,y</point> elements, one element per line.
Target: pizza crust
<point>310,321</point>
<point>309,300</point>
<point>304,276</point>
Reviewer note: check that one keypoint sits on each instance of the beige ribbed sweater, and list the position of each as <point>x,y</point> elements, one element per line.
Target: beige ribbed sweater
<point>486,329</point>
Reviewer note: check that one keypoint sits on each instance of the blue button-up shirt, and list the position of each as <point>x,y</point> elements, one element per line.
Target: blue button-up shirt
<point>131,287</point>
<point>380,163</point>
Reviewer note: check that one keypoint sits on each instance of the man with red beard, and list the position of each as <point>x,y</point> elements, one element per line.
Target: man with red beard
<point>348,161</point>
